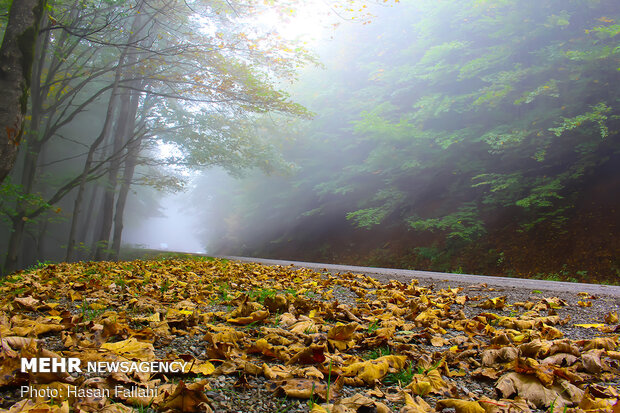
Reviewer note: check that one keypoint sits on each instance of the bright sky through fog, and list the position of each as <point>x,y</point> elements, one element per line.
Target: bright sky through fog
<point>308,21</point>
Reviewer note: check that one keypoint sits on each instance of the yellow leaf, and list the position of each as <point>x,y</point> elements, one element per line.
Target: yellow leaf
<point>596,325</point>
<point>460,406</point>
<point>204,368</point>
<point>131,348</point>
<point>372,370</point>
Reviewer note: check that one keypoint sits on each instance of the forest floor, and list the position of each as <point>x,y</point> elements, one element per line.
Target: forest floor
<point>255,338</point>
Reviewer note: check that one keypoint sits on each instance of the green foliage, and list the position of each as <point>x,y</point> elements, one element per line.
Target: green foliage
<point>39,265</point>
<point>459,113</point>
<point>89,313</point>
<point>378,352</point>
<point>402,378</point>
<point>368,217</point>
<point>4,16</point>
<point>11,194</point>
<point>373,327</point>
<point>598,116</point>
<point>261,294</point>
<point>463,225</point>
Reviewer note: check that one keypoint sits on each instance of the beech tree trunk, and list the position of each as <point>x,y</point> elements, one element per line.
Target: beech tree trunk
<point>110,191</point>
<point>16,57</point>
<point>130,165</point>
<point>77,206</point>
<point>88,223</point>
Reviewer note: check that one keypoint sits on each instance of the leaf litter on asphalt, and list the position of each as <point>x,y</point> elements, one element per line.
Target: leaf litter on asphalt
<point>311,335</point>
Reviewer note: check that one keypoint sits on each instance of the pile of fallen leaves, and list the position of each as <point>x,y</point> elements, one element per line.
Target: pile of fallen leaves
<point>311,336</point>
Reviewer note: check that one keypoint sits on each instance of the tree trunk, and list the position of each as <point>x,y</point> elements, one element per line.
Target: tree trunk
<point>87,223</point>
<point>123,135</point>
<point>120,136</point>
<point>130,165</point>
<point>15,243</point>
<point>77,206</point>
<point>16,58</point>
<point>41,250</point>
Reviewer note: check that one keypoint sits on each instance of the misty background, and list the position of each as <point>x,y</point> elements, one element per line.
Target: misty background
<point>462,136</point>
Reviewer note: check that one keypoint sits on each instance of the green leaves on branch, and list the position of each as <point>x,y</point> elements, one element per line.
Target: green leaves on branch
<point>12,195</point>
<point>465,224</point>
<point>598,116</point>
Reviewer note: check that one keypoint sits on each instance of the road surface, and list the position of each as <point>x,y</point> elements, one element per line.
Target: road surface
<point>444,279</point>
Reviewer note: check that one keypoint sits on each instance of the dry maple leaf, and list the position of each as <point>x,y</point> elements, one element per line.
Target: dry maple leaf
<point>417,405</point>
<point>303,388</point>
<point>607,343</point>
<point>28,303</point>
<point>491,357</point>
<point>429,382</point>
<point>250,318</point>
<point>131,349</point>
<point>493,303</point>
<point>28,405</point>
<point>358,403</point>
<point>187,398</point>
<point>371,371</point>
<point>460,406</point>
<point>309,355</point>
<point>611,317</point>
<point>530,388</point>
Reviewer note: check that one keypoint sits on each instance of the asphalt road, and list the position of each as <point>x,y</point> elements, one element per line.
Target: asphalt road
<point>443,278</point>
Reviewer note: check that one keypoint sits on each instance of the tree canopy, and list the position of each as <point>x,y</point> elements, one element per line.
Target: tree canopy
<point>114,82</point>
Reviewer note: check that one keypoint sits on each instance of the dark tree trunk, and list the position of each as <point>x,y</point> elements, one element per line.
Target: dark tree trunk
<point>77,206</point>
<point>15,243</point>
<point>112,105</point>
<point>120,136</point>
<point>124,133</point>
<point>130,165</point>
<point>16,58</point>
<point>86,227</point>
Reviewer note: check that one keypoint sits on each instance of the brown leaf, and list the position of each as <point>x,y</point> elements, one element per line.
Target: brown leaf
<point>342,332</point>
<point>188,399</point>
<point>309,355</point>
<point>606,343</point>
<point>493,303</point>
<point>250,318</point>
<point>429,382</point>
<point>417,405</point>
<point>611,317</point>
<point>303,388</point>
<point>116,408</point>
<point>560,359</point>
<point>27,303</point>
<point>503,355</point>
<point>358,403</point>
<point>530,388</point>
<point>592,361</point>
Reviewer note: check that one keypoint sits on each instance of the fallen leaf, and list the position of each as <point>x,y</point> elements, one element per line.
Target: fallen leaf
<point>460,406</point>
<point>188,398</point>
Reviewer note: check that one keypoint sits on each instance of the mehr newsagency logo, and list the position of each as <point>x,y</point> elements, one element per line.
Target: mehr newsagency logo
<point>74,365</point>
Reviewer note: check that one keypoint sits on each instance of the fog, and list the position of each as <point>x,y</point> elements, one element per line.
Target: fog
<point>172,230</point>
<point>456,136</point>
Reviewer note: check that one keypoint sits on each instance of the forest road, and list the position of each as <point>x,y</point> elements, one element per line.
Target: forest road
<point>442,279</point>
